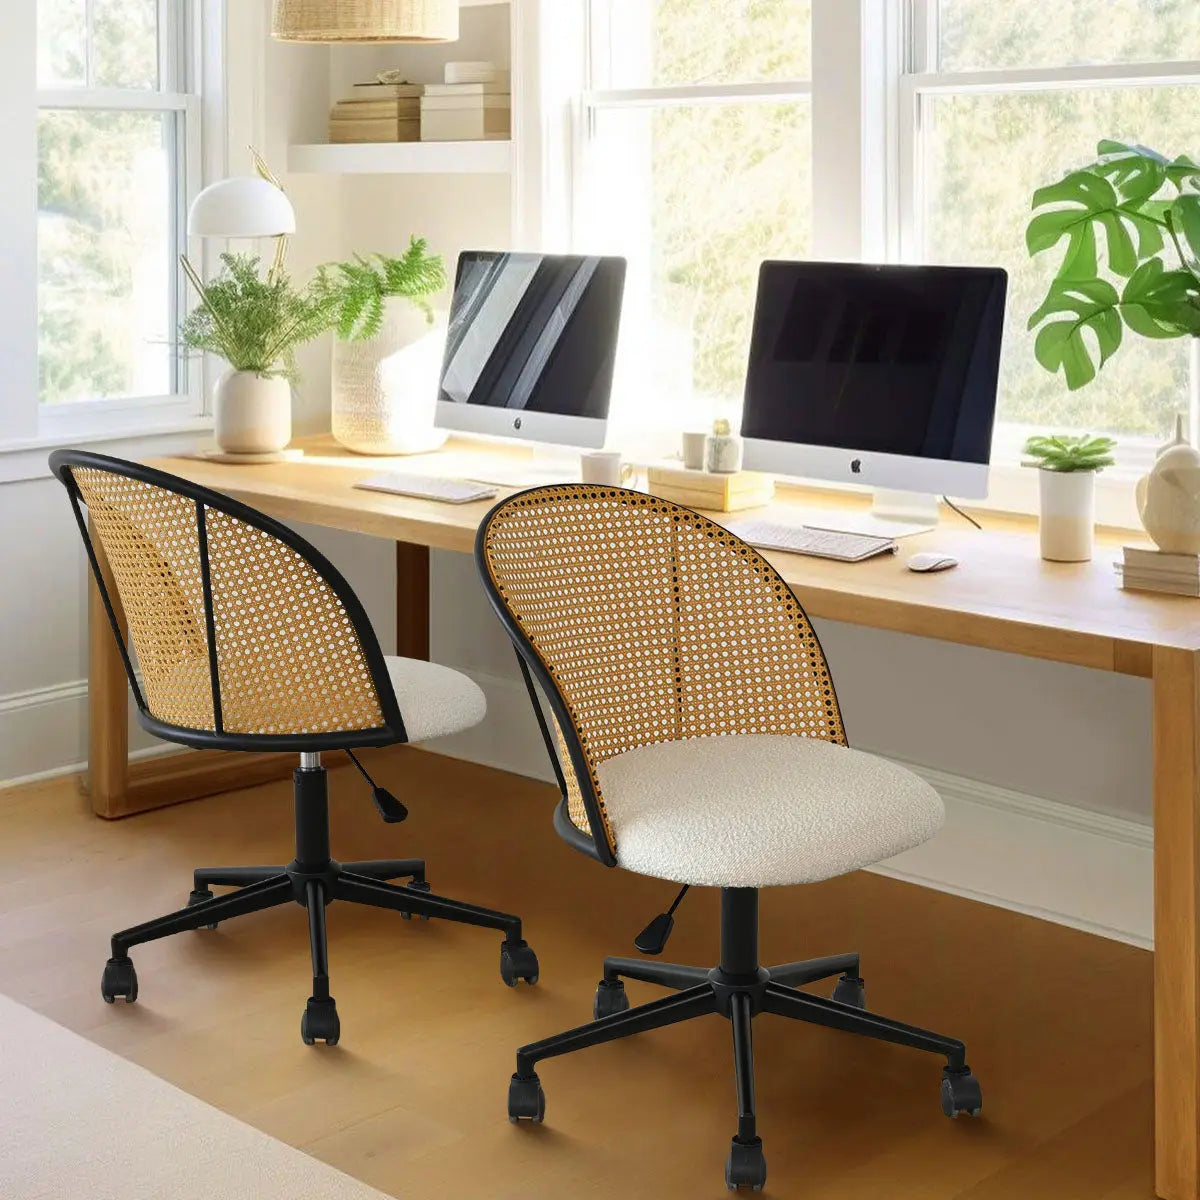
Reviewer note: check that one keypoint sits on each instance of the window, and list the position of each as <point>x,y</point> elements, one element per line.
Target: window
<point>118,160</point>
<point>1006,97</point>
<point>695,163</point>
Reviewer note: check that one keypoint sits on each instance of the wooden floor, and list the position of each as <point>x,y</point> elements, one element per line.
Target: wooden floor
<point>1057,1023</point>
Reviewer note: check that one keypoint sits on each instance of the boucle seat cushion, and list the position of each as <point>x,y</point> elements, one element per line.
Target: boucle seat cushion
<point>761,810</point>
<point>434,700</point>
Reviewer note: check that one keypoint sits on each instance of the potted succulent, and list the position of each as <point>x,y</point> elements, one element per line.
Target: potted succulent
<point>1067,483</point>
<point>256,326</point>
<point>385,355</point>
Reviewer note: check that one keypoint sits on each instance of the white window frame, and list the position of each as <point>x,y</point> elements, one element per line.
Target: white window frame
<point>1013,487</point>
<point>191,67</point>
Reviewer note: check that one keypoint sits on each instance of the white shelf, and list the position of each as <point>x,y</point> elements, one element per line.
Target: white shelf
<point>403,158</point>
<point>478,3</point>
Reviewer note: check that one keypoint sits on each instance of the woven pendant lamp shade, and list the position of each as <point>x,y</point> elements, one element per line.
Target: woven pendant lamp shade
<point>365,20</point>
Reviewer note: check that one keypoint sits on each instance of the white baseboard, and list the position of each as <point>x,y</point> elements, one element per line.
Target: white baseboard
<point>43,734</point>
<point>1071,865</point>
<point>1077,867</point>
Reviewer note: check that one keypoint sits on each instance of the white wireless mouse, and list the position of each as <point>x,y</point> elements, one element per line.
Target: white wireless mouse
<point>931,561</point>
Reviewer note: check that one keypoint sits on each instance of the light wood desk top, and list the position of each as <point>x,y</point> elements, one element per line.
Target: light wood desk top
<point>1002,596</point>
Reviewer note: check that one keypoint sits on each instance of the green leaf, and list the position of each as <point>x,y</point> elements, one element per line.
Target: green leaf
<point>1185,218</point>
<point>1088,201</point>
<point>1092,319</point>
<point>1047,228</point>
<point>1136,172</point>
<point>1184,173</point>
<point>1159,303</point>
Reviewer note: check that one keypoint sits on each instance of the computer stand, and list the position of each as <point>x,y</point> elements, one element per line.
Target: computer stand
<point>892,515</point>
<point>547,464</point>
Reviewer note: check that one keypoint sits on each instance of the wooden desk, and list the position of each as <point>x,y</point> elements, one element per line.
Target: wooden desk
<point>1002,597</point>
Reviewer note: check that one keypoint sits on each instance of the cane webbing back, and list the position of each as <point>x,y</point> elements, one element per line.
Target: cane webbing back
<point>289,660</point>
<point>655,624</point>
<point>148,536</point>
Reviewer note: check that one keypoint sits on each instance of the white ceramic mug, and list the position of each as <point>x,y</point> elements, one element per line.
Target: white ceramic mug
<point>692,447</point>
<point>604,467</point>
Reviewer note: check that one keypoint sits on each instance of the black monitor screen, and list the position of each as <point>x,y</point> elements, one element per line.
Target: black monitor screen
<point>892,359</point>
<point>536,332</point>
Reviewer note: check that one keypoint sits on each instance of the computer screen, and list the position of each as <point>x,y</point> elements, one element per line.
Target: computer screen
<point>887,363</point>
<point>532,345</point>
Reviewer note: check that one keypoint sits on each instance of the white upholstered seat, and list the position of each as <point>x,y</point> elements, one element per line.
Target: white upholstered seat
<point>761,810</point>
<point>434,700</point>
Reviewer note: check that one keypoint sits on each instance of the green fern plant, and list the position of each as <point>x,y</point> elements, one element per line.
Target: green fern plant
<point>356,289</point>
<point>1064,453</point>
<point>254,324</point>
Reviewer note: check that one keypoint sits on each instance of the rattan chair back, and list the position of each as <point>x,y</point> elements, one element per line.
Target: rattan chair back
<point>245,635</point>
<point>645,622</point>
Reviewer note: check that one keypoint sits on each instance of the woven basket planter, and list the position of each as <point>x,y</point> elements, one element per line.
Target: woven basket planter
<point>365,20</point>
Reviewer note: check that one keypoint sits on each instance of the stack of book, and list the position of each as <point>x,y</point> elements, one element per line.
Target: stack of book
<point>378,112</point>
<point>1146,570</point>
<point>702,489</point>
<point>467,112</point>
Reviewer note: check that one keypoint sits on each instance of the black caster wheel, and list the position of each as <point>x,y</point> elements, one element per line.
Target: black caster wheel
<point>198,897</point>
<point>320,1023</point>
<point>961,1093</point>
<point>746,1167</point>
<point>119,979</point>
<point>526,1100</point>
<point>517,962</point>
<point>417,885</point>
<point>610,999</point>
<point>851,990</point>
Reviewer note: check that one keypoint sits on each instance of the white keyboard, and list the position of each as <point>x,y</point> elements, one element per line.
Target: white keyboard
<point>820,543</point>
<point>427,487</point>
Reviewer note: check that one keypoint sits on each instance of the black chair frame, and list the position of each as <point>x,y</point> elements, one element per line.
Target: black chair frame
<point>314,878</point>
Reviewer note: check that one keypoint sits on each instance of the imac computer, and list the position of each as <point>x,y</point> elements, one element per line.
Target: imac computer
<point>532,346</point>
<point>876,375</point>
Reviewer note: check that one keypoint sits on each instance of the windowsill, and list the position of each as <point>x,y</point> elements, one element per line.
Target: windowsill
<point>25,458</point>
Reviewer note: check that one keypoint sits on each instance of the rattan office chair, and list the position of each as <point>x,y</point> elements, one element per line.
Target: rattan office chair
<point>247,638</point>
<point>696,738</point>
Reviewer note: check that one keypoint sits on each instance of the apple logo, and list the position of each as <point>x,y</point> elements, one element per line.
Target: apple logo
<point>856,466</point>
<point>517,423</point>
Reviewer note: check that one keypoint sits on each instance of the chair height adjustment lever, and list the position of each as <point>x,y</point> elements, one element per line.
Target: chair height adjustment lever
<point>390,809</point>
<point>653,939</point>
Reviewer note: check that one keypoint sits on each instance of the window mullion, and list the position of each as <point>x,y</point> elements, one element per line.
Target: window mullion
<point>664,96</point>
<point>89,55</point>
<point>122,99</point>
<point>924,37</point>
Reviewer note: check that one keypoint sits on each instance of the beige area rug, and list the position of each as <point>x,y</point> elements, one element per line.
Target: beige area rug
<point>79,1123</point>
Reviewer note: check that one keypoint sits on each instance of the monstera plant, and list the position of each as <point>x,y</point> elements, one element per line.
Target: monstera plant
<point>1130,222</point>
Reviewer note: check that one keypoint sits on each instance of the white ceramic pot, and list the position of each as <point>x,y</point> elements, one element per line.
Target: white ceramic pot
<point>253,412</point>
<point>385,389</point>
<point>1068,517</point>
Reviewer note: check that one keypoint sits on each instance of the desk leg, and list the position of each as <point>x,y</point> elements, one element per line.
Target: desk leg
<point>1176,924</point>
<point>108,700</point>
<point>412,600</point>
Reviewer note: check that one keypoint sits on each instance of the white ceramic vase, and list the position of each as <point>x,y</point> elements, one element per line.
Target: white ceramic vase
<point>253,413</point>
<point>1068,517</point>
<point>385,389</point>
